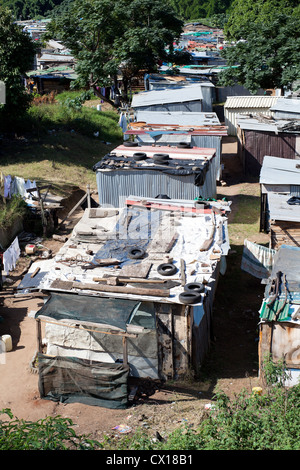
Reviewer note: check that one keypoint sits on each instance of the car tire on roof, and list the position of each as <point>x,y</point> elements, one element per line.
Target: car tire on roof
<point>136,252</point>
<point>130,144</point>
<point>197,287</point>
<point>184,145</point>
<point>139,156</point>
<point>189,298</point>
<point>166,269</point>
<point>161,156</point>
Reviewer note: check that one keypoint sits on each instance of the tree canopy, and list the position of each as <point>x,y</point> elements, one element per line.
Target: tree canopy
<point>195,9</point>
<point>30,9</point>
<point>268,57</point>
<point>244,13</point>
<point>186,9</point>
<point>108,36</point>
<point>16,57</point>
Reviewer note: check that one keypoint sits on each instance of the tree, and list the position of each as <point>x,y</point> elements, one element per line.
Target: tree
<point>30,9</point>
<point>16,57</point>
<point>268,57</point>
<point>107,37</point>
<point>244,13</point>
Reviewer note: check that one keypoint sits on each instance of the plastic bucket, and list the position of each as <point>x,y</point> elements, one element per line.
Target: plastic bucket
<point>7,342</point>
<point>30,249</point>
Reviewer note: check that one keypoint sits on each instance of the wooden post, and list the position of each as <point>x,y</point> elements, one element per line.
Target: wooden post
<point>88,192</point>
<point>74,208</point>
<point>39,335</point>
<point>44,220</point>
<point>125,352</point>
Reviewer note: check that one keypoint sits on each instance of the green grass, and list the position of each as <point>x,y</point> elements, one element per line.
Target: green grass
<point>58,145</point>
<point>244,221</point>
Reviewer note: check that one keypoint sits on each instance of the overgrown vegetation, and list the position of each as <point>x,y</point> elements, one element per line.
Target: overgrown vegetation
<point>14,209</point>
<point>268,421</point>
<point>46,434</point>
<point>65,111</point>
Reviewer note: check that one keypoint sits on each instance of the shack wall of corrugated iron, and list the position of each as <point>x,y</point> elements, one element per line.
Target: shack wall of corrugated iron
<point>295,190</point>
<point>115,186</point>
<point>210,141</point>
<point>254,145</point>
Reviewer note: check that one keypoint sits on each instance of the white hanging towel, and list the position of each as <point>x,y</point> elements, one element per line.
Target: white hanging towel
<point>11,255</point>
<point>7,186</point>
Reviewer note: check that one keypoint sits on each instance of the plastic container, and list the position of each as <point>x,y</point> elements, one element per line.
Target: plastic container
<point>7,342</point>
<point>30,249</point>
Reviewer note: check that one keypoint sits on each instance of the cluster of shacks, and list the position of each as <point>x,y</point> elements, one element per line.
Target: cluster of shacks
<point>129,295</point>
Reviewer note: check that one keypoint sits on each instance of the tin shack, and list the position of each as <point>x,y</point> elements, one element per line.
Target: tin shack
<point>129,295</point>
<point>279,327</point>
<point>146,171</point>
<point>280,200</point>
<point>260,136</point>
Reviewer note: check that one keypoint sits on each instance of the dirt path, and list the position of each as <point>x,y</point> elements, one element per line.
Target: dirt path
<point>231,365</point>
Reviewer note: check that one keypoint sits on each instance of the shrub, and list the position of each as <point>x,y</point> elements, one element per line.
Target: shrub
<point>15,208</point>
<point>46,434</point>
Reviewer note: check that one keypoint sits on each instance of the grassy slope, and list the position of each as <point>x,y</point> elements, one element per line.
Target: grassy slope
<point>59,146</point>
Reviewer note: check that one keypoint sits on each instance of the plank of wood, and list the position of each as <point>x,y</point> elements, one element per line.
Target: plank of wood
<point>35,272</point>
<point>68,285</point>
<point>131,280</point>
<point>140,270</point>
<point>122,289</point>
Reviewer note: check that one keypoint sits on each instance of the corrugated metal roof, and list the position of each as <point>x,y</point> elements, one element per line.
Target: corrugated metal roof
<point>178,118</point>
<point>250,101</point>
<point>279,209</point>
<point>194,153</point>
<point>277,170</point>
<point>287,105</point>
<point>178,95</point>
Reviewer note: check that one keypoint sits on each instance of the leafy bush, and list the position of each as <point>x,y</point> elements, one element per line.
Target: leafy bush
<point>270,421</point>
<point>46,434</point>
<point>14,209</point>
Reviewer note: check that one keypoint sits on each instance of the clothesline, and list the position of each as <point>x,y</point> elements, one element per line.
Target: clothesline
<point>10,185</point>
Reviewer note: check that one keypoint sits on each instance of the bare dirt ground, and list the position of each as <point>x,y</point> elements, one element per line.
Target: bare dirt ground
<point>230,366</point>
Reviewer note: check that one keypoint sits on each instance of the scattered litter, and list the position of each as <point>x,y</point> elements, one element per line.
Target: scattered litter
<point>209,406</point>
<point>122,429</point>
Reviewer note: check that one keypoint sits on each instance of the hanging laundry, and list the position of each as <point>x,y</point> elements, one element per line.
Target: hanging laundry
<point>11,255</point>
<point>1,184</point>
<point>29,185</point>
<point>7,184</point>
<point>18,186</point>
<point>123,124</point>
